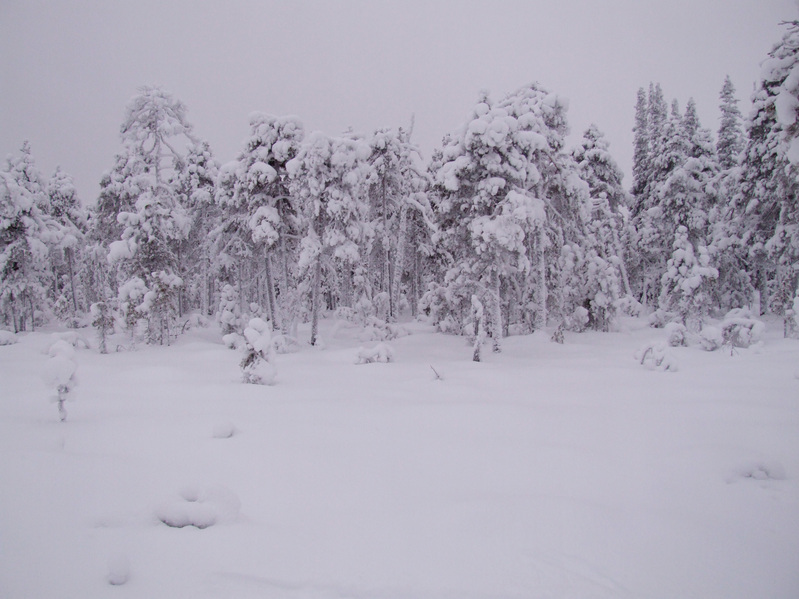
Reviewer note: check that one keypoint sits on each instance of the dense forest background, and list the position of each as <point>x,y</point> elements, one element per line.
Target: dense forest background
<point>504,230</point>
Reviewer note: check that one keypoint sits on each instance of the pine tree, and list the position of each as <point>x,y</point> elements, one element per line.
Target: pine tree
<point>146,256</point>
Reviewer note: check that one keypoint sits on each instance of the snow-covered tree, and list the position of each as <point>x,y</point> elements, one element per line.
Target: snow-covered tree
<point>258,366</point>
<point>641,157</point>
<point>327,178</point>
<point>260,219</point>
<point>508,201</point>
<point>395,180</point>
<point>154,125</point>
<point>765,208</point>
<point>26,234</point>
<point>686,284</point>
<point>196,184</point>
<point>730,140</point>
<point>607,231</point>
<point>66,210</point>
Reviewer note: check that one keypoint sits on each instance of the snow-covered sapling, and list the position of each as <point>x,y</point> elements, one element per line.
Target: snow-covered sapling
<point>60,373</point>
<point>257,366</point>
<point>103,321</point>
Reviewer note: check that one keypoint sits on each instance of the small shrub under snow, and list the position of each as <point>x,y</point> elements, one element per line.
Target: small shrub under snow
<point>379,353</point>
<point>676,334</point>
<point>59,373</point>
<point>656,356</point>
<point>7,338</point>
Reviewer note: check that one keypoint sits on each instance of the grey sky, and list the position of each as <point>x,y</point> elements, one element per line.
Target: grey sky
<point>68,68</point>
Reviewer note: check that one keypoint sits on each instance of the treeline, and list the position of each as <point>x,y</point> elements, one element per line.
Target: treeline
<point>504,230</point>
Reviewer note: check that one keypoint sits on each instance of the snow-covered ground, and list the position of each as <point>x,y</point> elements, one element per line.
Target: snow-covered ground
<point>558,471</point>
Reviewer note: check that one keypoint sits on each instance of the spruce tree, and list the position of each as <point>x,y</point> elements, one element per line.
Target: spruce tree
<point>730,135</point>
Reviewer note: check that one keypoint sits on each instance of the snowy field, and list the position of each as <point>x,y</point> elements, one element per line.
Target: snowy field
<point>552,471</point>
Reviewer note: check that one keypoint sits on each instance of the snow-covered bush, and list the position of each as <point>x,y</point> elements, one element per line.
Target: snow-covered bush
<point>59,373</point>
<point>711,338</point>
<point>381,352</point>
<point>7,338</point>
<point>740,329</point>
<point>660,318</point>
<point>676,334</point>
<point>257,366</point>
<point>579,319</point>
<point>656,356</point>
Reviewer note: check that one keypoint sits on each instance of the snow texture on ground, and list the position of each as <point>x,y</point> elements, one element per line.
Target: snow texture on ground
<point>566,471</point>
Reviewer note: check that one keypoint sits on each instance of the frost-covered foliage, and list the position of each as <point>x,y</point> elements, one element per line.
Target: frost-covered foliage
<point>258,366</point>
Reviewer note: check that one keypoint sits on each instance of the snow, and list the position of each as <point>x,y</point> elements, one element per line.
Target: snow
<point>545,471</point>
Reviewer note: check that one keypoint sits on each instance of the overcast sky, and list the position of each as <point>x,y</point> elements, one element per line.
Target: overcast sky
<point>69,68</point>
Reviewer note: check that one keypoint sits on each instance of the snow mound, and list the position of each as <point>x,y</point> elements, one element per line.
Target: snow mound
<point>200,508</point>
<point>381,352</point>
<point>118,570</point>
<point>7,338</point>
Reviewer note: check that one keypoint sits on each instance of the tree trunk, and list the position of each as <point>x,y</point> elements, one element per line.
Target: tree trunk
<point>496,313</point>
<point>270,291</point>
<point>399,262</point>
<point>68,252</point>
<point>542,292</point>
<point>315,300</point>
